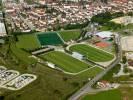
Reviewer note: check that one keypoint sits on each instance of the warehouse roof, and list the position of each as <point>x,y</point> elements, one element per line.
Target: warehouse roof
<point>104,34</point>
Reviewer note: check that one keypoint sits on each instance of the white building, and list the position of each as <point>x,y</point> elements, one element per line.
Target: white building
<point>2,30</point>
<point>104,34</point>
<point>77,55</point>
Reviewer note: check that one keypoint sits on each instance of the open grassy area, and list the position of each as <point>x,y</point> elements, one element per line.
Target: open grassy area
<point>65,61</point>
<point>50,85</point>
<point>68,35</point>
<point>22,55</point>
<point>106,95</point>
<point>28,42</point>
<point>92,72</point>
<point>127,92</point>
<point>92,53</point>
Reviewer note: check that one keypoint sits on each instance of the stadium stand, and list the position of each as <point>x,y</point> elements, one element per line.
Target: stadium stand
<point>42,50</point>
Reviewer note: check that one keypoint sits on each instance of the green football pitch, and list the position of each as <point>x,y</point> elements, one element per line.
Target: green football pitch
<point>68,35</point>
<point>92,53</point>
<point>50,38</point>
<point>106,95</point>
<point>65,61</point>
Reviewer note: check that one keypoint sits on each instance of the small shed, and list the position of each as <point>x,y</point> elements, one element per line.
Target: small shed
<point>2,30</point>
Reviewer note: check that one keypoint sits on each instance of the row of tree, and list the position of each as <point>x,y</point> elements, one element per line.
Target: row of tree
<point>104,19</point>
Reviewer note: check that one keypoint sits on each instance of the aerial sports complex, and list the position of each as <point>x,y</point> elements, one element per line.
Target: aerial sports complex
<point>73,58</point>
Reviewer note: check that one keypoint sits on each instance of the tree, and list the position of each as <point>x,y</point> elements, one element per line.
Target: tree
<point>124,59</point>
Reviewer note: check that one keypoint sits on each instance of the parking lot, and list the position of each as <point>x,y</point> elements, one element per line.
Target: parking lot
<point>7,76</point>
<point>12,80</point>
<point>2,69</point>
<point>20,82</point>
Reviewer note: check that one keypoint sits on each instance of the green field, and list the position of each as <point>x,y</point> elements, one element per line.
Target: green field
<point>28,42</point>
<point>65,61</point>
<point>106,95</point>
<point>92,72</point>
<point>68,35</point>
<point>22,55</point>
<point>92,53</point>
<point>49,38</point>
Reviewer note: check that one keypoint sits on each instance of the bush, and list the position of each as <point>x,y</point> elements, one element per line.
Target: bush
<point>124,59</point>
<point>65,78</point>
<point>126,70</point>
<point>75,84</point>
<point>131,75</point>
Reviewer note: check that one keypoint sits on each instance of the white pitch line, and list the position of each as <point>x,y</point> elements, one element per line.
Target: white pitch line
<point>81,71</point>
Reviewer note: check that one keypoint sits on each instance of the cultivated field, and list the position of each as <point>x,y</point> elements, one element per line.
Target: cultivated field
<point>106,95</point>
<point>65,61</point>
<point>28,42</point>
<point>68,35</point>
<point>92,53</point>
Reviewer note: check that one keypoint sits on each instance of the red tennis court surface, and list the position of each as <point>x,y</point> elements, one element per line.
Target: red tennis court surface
<point>102,44</point>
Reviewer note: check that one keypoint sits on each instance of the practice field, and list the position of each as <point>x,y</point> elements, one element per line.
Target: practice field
<point>65,61</point>
<point>106,95</point>
<point>92,53</point>
<point>50,38</point>
<point>28,42</point>
<point>68,35</point>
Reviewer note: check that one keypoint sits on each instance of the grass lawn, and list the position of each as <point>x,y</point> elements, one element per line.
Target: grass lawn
<point>28,42</point>
<point>105,95</point>
<point>68,35</point>
<point>127,92</point>
<point>22,55</point>
<point>92,53</point>
<point>65,61</point>
<point>92,72</point>
<point>50,85</point>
